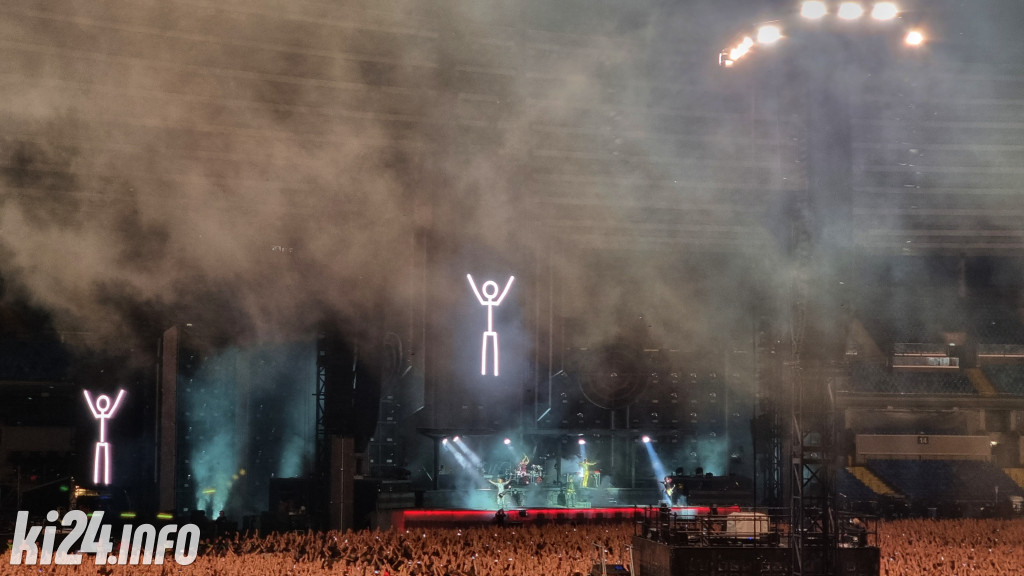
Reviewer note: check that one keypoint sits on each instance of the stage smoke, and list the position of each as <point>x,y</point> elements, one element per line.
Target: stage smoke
<point>249,415</point>
<point>659,471</point>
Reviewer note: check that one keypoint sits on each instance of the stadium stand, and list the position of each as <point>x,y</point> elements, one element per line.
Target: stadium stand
<point>919,480</point>
<point>852,488</point>
<point>982,481</point>
<point>1006,378</point>
<point>872,378</point>
<point>926,481</point>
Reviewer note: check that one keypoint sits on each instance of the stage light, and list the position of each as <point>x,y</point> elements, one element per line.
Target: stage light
<point>646,439</point>
<point>850,10</point>
<point>102,409</point>
<point>444,441</point>
<point>489,298</point>
<point>582,441</point>
<point>455,439</point>
<point>914,38</point>
<point>813,9</point>
<point>884,11</point>
<point>508,441</point>
<point>452,449</point>
<point>463,448</point>
<point>768,34</point>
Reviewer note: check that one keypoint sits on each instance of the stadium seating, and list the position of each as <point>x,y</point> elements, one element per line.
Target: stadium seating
<point>1006,378</point>
<point>921,480</point>
<point>946,480</point>
<point>852,489</point>
<point>873,378</point>
<point>983,481</point>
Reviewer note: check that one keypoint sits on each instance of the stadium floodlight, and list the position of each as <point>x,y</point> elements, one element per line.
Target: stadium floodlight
<point>768,34</point>
<point>884,11</point>
<point>741,50</point>
<point>914,38</point>
<point>850,10</point>
<point>813,9</point>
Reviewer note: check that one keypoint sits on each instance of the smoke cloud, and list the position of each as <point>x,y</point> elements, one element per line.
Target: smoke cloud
<point>248,419</point>
<point>254,168</point>
<point>259,169</point>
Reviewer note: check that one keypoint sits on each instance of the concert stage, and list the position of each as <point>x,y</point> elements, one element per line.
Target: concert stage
<point>399,506</point>
<point>424,518</point>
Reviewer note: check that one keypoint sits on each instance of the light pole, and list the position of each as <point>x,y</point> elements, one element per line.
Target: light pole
<point>822,51</point>
<point>837,17</point>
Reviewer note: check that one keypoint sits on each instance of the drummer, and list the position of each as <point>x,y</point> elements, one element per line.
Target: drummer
<point>522,469</point>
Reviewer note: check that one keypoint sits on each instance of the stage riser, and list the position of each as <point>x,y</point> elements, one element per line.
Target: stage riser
<point>539,497</point>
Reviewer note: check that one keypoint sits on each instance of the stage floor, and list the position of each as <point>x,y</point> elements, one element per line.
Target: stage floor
<point>546,496</point>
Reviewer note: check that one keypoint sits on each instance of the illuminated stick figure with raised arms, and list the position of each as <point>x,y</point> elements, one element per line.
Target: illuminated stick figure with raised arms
<point>490,299</point>
<point>102,409</point>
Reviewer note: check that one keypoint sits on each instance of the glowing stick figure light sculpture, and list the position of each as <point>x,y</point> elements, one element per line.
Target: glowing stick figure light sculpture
<point>102,409</point>
<point>488,296</point>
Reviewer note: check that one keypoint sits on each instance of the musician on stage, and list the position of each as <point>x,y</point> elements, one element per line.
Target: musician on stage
<point>501,484</point>
<point>669,489</point>
<point>570,492</point>
<point>585,466</point>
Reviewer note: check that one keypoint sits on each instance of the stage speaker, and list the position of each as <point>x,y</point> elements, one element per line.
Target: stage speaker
<point>342,482</point>
<point>351,387</point>
<point>167,448</point>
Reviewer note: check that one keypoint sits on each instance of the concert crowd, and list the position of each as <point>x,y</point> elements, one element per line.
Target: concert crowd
<point>909,547</point>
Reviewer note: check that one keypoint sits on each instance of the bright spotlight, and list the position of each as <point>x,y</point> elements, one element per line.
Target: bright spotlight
<point>455,439</point>
<point>508,441</point>
<point>444,441</point>
<point>850,10</point>
<point>741,50</point>
<point>768,34</point>
<point>646,439</point>
<point>582,441</point>
<point>813,9</point>
<point>914,38</point>
<point>884,11</point>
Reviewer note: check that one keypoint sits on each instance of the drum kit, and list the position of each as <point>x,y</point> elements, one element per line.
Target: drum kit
<point>526,475</point>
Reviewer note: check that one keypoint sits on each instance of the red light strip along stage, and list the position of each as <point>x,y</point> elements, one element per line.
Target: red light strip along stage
<point>405,519</point>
